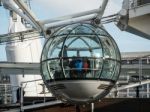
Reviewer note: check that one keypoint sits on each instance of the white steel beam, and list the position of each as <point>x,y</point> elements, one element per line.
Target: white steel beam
<point>131,85</point>
<point>40,105</point>
<point>11,6</point>
<point>19,36</point>
<point>102,9</point>
<point>64,20</point>
<point>78,17</point>
<point>29,14</point>
<point>19,65</point>
<point>8,68</point>
<point>70,21</point>
<point>19,71</point>
<point>81,14</point>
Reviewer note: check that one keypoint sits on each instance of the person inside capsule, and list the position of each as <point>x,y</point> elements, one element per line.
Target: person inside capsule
<point>86,67</point>
<point>76,65</point>
<point>80,57</point>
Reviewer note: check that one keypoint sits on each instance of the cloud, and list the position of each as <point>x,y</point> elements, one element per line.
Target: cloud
<point>55,8</point>
<point>69,5</point>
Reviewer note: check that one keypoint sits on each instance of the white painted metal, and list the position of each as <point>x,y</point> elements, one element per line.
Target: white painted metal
<point>139,18</point>
<point>136,66</point>
<point>134,18</point>
<point>28,51</point>
<point>102,9</point>
<point>63,18</point>
<point>141,24</point>
<point>131,85</point>
<point>29,14</point>
<point>74,18</point>
<point>41,105</point>
<point>87,89</point>
<point>29,107</point>
<point>8,68</point>
<point>148,95</point>
<point>14,65</point>
<point>20,36</point>
<point>70,21</point>
<point>92,107</point>
<point>20,71</point>
<point>11,6</point>
<point>139,11</point>
<point>84,16</point>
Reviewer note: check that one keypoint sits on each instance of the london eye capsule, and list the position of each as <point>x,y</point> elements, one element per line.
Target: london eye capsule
<point>80,63</point>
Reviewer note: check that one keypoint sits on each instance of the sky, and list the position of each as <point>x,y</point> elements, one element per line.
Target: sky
<point>46,9</point>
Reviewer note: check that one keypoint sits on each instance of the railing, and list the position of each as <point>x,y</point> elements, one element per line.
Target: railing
<point>129,95</point>
<point>6,93</point>
<point>7,96</point>
<point>20,36</point>
<point>136,3</point>
<point>43,93</point>
<point>133,78</point>
<point>98,68</point>
<point>15,94</point>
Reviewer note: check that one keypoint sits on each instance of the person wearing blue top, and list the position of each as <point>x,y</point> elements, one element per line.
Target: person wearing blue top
<point>76,66</point>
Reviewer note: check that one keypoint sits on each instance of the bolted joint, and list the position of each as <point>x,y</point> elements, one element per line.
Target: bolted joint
<point>48,32</point>
<point>96,21</point>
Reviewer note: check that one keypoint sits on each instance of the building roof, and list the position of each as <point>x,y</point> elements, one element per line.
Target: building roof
<point>134,55</point>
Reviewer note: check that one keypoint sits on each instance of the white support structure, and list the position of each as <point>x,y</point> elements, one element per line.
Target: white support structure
<point>134,17</point>
<point>70,21</point>
<point>148,95</point>
<point>29,14</point>
<point>82,16</point>
<point>8,68</point>
<point>63,18</point>
<point>51,103</point>
<point>14,65</point>
<point>12,6</point>
<point>35,106</point>
<point>30,51</point>
<point>102,9</point>
<point>131,85</point>
<point>74,18</point>
<point>27,51</point>
<point>20,36</point>
<point>46,24</point>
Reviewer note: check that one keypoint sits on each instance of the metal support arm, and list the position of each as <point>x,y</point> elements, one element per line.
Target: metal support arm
<point>42,26</point>
<point>12,6</point>
<point>29,14</point>
<point>102,9</point>
<point>70,21</point>
<point>81,14</point>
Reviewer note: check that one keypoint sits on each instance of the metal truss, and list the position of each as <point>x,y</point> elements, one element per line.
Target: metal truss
<point>20,36</point>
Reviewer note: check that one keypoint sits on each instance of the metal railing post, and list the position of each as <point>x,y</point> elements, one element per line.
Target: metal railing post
<point>44,94</point>
<point>92,107</point>
<point>21,98</point>
<point>5,94</point>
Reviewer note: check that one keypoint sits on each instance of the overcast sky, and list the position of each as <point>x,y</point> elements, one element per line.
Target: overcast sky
<point>54,8</point>
<point>45,9</point>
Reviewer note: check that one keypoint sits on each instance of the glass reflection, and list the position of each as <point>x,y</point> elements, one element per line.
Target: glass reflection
<point>80,51</point>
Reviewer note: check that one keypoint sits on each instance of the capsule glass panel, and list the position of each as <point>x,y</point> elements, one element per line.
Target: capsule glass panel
<point>80,51</point>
